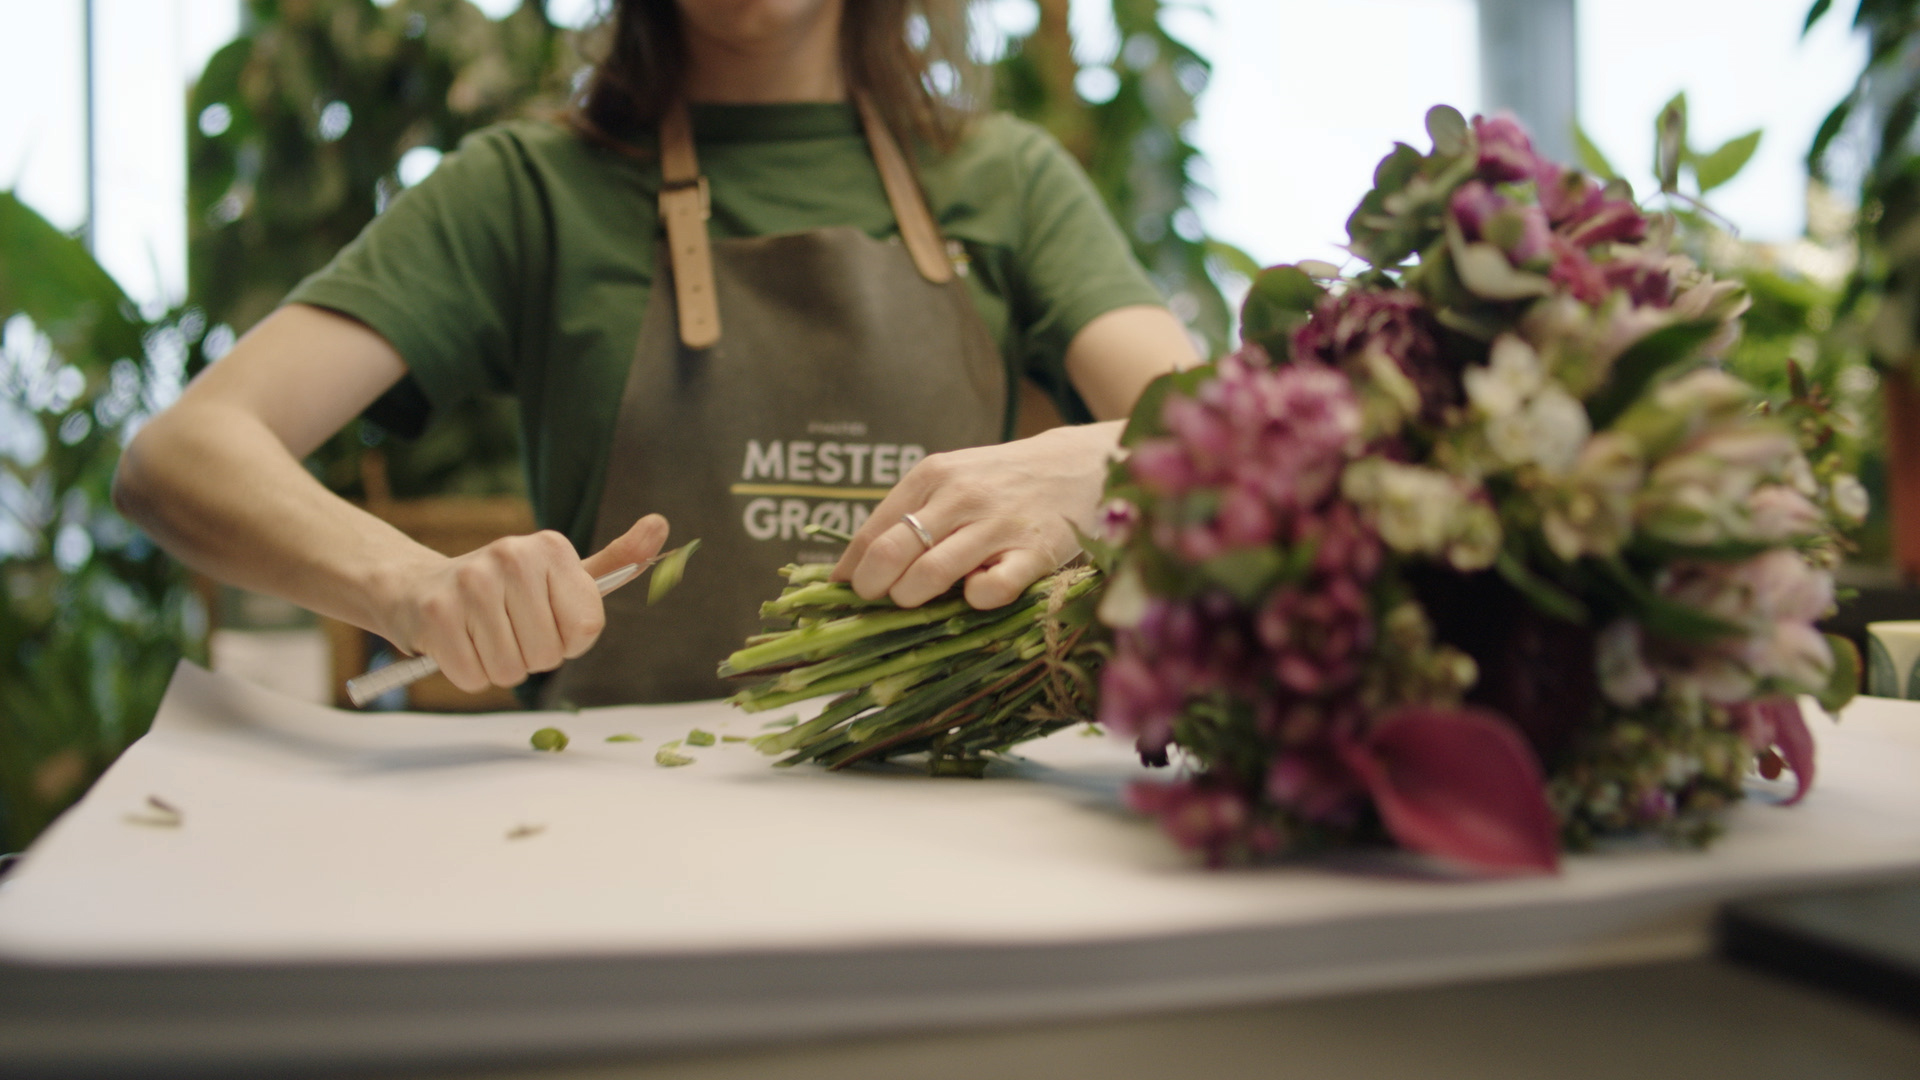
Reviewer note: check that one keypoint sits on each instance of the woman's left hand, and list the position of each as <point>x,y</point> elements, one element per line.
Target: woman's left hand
<point>1000,516</point>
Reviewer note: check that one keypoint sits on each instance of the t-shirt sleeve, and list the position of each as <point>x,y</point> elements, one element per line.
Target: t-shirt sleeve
<point>1072,262</point>
<point>443,272</point>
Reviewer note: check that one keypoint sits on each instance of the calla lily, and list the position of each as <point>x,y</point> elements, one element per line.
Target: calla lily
<point>1775,723</point>
<point>1460,784</point>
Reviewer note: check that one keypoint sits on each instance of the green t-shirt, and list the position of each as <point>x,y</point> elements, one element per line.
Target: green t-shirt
<point>522,264</point>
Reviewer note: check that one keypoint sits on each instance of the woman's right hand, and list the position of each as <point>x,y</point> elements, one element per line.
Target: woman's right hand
<point>521,604</point>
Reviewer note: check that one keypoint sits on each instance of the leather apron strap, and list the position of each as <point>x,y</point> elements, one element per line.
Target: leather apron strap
<point>686,204</point>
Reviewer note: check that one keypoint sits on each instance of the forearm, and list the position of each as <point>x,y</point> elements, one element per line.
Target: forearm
<point>221,492</point>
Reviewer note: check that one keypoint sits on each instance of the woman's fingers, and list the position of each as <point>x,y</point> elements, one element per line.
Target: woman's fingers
<point>1002,581</point>
<point>519,605</point>
<point>641,542</point>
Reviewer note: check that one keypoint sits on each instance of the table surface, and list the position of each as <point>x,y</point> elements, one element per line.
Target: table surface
<point>736,905</point>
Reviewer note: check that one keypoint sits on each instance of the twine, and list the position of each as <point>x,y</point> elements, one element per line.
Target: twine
<point>1064,680</point>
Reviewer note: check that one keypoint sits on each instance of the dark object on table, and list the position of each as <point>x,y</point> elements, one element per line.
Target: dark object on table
<point>1862,941</point>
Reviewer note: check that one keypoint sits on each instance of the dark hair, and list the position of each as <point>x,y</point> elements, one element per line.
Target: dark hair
<point>890,50</point>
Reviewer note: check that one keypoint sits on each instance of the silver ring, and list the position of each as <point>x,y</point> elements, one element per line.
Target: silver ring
<point>919,530</point>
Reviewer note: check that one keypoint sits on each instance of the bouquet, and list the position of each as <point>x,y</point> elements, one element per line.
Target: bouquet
<point>1475,550</point>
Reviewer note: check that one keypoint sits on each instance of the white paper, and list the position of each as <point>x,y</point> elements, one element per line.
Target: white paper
<point>310,833</point>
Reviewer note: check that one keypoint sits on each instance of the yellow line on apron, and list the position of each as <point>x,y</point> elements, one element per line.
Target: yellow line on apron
<point>811,491</point>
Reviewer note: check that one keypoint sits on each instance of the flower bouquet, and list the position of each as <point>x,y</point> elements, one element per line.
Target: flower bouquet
<point>1475,550</point>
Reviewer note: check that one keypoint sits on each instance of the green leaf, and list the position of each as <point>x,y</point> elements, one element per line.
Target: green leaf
<point>1541,593</point>
<point>669,570</point>
<point>1723,164</point>
<point>1819,9</point>
<point>1246,573</point>
<point>697,737</point>
<point>1844,683</point>
<point>1235,258</point>
<point>623,737</point>
<point>1280,300</point>
<point>1645,361</point>
<point>1830,129</point>
<point>1144,423</point>
<point>1658,615</point>
<point>1670,142</point>
<point>1591,159</point>
<point>1448,129</point>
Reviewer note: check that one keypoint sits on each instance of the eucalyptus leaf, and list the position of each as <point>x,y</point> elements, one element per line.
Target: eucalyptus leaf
<point>1485,271</point>
<point>1448,129</point>
<point>1281,299</point>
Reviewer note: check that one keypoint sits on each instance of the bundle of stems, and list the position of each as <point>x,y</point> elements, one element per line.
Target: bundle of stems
<point>943,679</point>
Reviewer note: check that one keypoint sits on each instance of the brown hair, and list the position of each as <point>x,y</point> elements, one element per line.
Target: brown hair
<point>645,64</point>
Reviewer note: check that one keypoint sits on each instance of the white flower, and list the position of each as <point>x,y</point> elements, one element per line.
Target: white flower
<point>1421,511</point>
<point>1850,499</point>
<point>1511,375</point>
<point>1625,677</point>
<point>1590,511</point>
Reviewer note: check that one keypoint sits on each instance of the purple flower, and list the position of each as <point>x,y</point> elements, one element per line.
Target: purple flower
<point>1315,784</point>
<point>1522,232</point>
<point>1394,323</point>
<point>1207,816</point>
<point>1582,211</point>
<point>1506,153</point>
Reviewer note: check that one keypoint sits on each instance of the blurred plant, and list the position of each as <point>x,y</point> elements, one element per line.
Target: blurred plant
<point>92,616</point>
<point>305,126</point>
<point>1794,347</point>
<point>1127,121</point>
<point>1884,290</point>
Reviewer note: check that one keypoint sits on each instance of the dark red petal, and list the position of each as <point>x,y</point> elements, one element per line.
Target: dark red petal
<point>1461,784</point>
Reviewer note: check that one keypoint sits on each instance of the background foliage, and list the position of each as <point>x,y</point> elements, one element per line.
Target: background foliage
<point>92,616</point>
<point>297,130</point>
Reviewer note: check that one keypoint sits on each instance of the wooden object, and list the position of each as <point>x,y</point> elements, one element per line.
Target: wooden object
<point>1903,469</point>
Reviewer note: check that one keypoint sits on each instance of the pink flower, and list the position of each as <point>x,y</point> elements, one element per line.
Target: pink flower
<point>1207,817</point>
<point>1506,153</point>
<point>1521,232</point>
<point>1775,723</point>
<point>1581,210</point>
<point>1778,513</point>
<point>1315,784</point>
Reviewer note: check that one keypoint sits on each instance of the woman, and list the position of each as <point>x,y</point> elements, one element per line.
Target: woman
<point>725,297</point>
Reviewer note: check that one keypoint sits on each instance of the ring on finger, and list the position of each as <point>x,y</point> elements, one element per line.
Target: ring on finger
<point>919,530</point>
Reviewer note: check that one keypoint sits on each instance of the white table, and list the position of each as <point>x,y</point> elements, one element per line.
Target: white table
<point>336,874</point>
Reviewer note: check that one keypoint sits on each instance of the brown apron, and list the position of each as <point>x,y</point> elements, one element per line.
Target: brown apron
<point>844,360</point>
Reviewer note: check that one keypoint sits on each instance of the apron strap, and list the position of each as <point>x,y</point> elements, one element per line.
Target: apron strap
<point>917,228</point>
<point>685,205</point>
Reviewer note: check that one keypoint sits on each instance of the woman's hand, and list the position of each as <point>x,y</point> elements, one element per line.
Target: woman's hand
<point>519,605</point>
<point>1000,516</point>
<point>1003,516</point>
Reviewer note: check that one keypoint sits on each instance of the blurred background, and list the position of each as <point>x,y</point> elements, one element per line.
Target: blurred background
<point>169,168</point>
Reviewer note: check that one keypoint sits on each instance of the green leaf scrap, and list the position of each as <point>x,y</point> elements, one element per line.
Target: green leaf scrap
<point>668,571</point>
